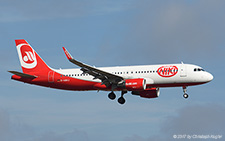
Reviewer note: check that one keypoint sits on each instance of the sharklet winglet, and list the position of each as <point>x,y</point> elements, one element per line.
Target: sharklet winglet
<point>67,54</point>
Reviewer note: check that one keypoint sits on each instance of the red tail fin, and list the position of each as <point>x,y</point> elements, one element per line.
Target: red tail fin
<point>30,61</point>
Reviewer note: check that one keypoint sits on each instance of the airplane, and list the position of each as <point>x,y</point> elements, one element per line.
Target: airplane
<point>142,80</point>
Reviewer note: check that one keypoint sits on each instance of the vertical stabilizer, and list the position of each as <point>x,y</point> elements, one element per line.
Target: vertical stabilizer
<point>30,61</point>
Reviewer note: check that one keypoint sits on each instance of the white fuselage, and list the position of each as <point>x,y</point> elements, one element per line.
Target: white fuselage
<point>187,74</point>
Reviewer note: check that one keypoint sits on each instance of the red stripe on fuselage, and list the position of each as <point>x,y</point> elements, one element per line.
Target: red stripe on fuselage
<point>59,82</point>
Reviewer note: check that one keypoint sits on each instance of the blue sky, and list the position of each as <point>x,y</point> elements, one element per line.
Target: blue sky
<point>112,33</point>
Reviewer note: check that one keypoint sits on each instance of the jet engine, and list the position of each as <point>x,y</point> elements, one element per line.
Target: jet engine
<point>138,84</point>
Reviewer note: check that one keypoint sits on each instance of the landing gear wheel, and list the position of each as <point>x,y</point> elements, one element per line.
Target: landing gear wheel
<point>185,95</point>
<point>112,95</point>
<point>185,92</point>
<point>121,100</point>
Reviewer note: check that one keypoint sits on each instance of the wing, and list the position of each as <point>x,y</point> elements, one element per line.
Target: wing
<point>107,78</point>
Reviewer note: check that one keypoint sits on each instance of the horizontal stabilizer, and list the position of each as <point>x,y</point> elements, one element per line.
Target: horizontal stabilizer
<point>22,74</point>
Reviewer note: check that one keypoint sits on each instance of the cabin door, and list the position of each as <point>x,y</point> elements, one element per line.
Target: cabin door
<point>183,71</point>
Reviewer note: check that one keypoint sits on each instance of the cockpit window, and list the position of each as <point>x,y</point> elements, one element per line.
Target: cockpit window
<point>198,69</point>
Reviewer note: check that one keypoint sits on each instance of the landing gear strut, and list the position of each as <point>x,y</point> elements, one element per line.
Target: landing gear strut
<point>112,95</point>
<point>185,92</point>
<point>121,100</point>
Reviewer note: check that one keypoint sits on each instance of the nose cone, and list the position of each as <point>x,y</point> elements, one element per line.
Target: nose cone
<point>209,77</point>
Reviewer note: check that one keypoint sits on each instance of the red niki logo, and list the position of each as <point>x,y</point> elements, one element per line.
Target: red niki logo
<point>27,54</point>
<point>167,71</point>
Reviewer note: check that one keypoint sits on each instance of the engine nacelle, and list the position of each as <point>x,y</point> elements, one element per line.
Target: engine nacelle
<point>138,84</point>
<point>149,93</point>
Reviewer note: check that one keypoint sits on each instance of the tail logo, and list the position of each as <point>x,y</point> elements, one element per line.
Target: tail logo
<point>27,56</point>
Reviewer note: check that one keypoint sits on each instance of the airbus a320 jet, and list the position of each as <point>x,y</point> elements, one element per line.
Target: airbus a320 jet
<point>142,80</point>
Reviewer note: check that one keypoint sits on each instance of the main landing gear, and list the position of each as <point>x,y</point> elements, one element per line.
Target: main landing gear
<point>121,100</point>
<point>112,95</point>
<point>185,92</point>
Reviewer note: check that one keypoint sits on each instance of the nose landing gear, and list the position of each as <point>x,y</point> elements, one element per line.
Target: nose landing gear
<point>185,96</point>
<point>185,92</point>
